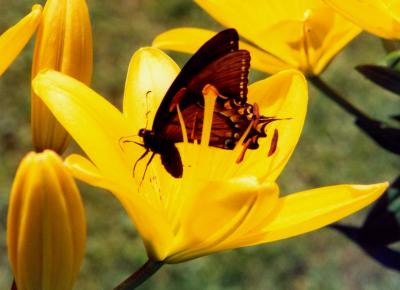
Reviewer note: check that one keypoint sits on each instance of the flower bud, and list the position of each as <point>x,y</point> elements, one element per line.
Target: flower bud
<point>64,43</point>
<point>46,229</point>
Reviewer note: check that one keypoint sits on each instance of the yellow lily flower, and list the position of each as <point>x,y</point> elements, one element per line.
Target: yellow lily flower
<point>15,38</point>
<point>46,228</point>
<point>305,35</point>
<point>218,204</point>
<point>379,17</point>
<point>64,43</point>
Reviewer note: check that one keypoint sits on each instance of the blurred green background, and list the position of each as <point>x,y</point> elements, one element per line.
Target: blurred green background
<point>331,151</point>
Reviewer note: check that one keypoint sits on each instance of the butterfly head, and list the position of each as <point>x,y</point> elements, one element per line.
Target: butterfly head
<point>144,132</point>
<point>148,137</point>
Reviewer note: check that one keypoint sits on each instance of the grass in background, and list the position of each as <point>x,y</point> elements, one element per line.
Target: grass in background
<point>331,150</point>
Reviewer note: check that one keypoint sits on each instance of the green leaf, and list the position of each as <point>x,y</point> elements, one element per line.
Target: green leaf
<point>387,137</point>
<point>382,225</point>
<point>385,77</point>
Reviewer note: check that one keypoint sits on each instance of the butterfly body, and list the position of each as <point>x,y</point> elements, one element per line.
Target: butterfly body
<point>170,156</point>
<point>221,65</point>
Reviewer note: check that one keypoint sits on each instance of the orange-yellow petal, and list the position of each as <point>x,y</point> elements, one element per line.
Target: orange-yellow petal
<point>15,38</point>
<point>97,127</point>
<point>379,17</point>
<point>309,210</point>
<point>219,210</point>
<point>93,122</point>
<point>150,74</point>
<point>189,40</point>
<point>284,96</point>
<point>149,221</point>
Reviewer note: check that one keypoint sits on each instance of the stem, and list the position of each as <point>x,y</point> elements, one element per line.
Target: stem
<point>14,286</point>
<point>140,276</point>
<point>337,98</point>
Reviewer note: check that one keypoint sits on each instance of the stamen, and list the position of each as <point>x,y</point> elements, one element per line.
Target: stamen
<point>245,147</point>
<point>177,99</point>
<point>194,125</point>
<point>274,143</point>
<point>256,112</point>
<point>237,148</point>
<point>182,123</point>
<point>210,94</point>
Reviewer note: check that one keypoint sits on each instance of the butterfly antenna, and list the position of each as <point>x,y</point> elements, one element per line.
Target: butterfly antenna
<point>147,108</point>
<point>125,139</point>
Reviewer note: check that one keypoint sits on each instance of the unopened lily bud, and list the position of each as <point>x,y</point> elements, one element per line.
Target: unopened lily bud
<point>64,43</point>
<point>46,228</point>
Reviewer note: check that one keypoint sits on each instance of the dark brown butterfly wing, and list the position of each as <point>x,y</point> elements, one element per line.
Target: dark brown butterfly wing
<point>193,116</point>
<point>229,75</point>
<point>171,159</point>
<point>224,42</point>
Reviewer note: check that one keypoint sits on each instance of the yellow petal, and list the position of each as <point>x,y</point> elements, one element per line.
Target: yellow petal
<point>326,34</point>
<point>250,18</point>
<point>46,225</point>
<point>312,209</point>
<point>92,121</point>
<point>15,38</point>
<point>283,29</point>
<point>378,17</point>
<point>149,221</point>
<point>64,43</point>
<point>219,210</point>
<point>97,127</point>
<point>150,74</point>
<point>85,170</point>
<point>285,96</point>
<point>189,40</point>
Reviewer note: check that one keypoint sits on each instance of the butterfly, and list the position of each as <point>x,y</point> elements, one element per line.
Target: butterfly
<point>219,64</point>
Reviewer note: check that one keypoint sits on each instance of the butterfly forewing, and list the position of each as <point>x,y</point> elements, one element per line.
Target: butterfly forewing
<point>224,42</point>
<point>228,74</point>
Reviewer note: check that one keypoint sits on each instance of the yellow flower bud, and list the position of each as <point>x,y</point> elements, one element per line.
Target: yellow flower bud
<point>46,229</point>
<point>64,43</point>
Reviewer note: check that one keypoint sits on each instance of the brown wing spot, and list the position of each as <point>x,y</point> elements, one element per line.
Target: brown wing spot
<point>274,143</point>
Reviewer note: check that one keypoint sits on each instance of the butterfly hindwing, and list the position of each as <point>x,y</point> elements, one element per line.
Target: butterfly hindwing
<point>171,159</point>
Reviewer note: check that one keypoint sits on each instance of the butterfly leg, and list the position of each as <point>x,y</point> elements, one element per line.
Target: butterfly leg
<point>140,158</point>
<point>126,139</point>
<point>147,166</point>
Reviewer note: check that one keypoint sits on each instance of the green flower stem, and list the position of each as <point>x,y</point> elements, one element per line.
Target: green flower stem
<point>337,98</point>
<point>140,276</point>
